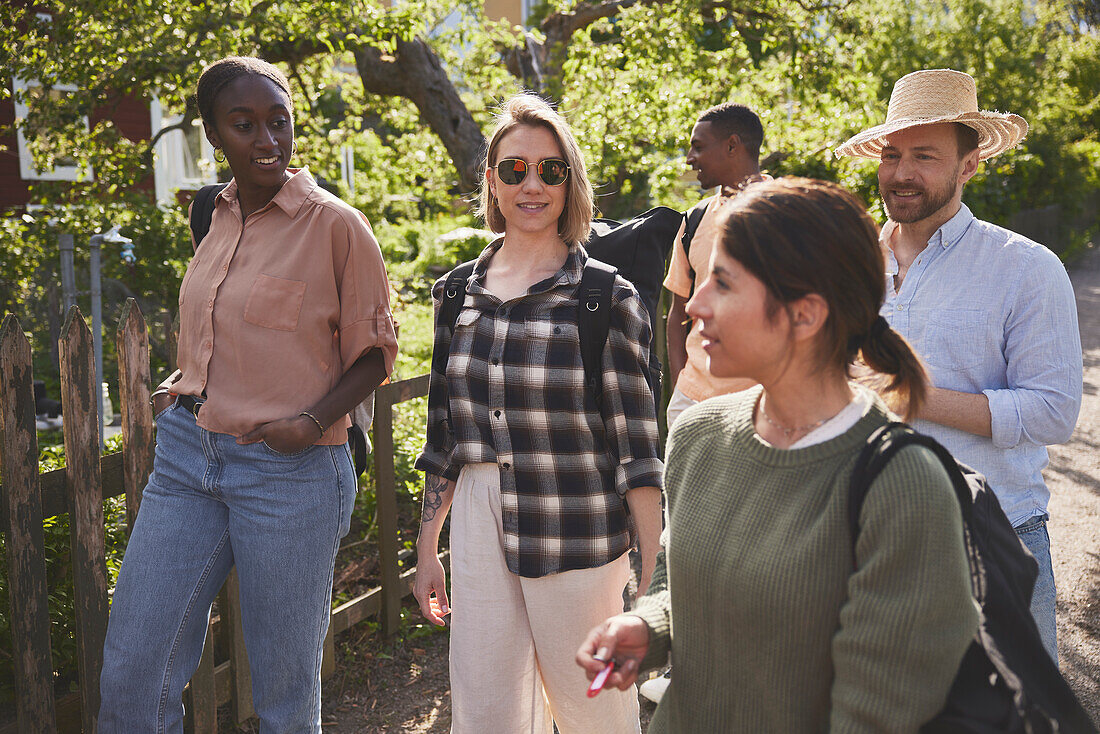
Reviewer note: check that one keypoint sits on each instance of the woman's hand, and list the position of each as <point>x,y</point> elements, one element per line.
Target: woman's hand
<point>161,402</point>
<point>624,639</point>
<point>430,588</point>
<point>286,435</point>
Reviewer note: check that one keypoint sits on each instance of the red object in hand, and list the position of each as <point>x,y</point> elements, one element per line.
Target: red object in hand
<point>597,683</point>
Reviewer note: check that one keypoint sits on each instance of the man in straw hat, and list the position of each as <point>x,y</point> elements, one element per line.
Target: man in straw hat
<point>991,312</point>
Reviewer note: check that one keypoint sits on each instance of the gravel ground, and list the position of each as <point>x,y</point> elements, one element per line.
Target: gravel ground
<point>402,686</point>
<point>1074,480</point>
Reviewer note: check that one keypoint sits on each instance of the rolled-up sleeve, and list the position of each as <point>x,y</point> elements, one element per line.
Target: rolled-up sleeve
<point>678,280</point>
<point>630,417</point>
<point>365,318</point>
<point>1043,353</point>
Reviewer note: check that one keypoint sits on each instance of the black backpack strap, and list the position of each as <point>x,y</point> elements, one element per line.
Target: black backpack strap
<point>691,223</point>
<point>594,321</point>
<point>454,294</point>
<point>882,445</point>
<point>202,211</point>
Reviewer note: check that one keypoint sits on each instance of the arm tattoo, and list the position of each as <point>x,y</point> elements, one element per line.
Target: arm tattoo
<point>433,496</point>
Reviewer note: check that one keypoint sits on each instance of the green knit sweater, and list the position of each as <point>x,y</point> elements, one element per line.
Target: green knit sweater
<point>770,628</point>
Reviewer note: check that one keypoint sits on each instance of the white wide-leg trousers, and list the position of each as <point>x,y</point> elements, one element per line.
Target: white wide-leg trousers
<point>513,639</point>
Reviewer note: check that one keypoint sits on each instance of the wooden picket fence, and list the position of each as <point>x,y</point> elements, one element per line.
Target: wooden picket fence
<point>27,497</point>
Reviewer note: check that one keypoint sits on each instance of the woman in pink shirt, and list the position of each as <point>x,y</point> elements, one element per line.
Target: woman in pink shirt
<point>284,327</point>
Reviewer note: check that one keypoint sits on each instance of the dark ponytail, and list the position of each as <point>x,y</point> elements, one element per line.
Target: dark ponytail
<point>898,375</point>
<point>800,236</point>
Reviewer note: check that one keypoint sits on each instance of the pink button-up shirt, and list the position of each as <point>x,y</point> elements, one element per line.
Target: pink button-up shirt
<point>274,310</point>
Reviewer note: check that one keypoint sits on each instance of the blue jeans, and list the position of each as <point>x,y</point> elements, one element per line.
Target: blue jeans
<point>211,504</point>
<point>1033,532</point>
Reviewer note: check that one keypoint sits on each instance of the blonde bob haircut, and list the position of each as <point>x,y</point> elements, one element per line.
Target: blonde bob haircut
<point>527,109</point>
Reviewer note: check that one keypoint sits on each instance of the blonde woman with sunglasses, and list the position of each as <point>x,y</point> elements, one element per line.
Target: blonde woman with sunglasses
<point>547,491</point>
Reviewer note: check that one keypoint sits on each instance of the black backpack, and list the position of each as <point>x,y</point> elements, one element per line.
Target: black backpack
<point>202,212</point>
<point>1006,681</point>
<point>636,250</point>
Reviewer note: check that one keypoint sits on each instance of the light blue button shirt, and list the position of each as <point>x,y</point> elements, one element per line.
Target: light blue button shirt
<point>992,312</point>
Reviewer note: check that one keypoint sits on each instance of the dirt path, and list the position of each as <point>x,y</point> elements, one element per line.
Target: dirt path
<point>1074,480</point>
<point>402,686</point>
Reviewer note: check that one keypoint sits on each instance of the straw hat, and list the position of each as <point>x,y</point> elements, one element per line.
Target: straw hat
<point>933,96</point>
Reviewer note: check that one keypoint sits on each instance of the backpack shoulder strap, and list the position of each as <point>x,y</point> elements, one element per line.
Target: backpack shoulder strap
<point>691,223</point>
<point>454,293</point>
<point>594,320</point>
<point>202,211</point>
<point>881,447</point>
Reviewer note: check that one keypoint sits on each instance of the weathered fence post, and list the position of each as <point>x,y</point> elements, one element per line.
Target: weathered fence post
<point>241,681</point>
<point>202,704</point>
<point>80,394</point>
<point>132,348</point>
<point>385,496</point>
<point>23,537</point>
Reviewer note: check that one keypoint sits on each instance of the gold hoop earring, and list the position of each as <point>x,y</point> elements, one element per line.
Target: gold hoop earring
<point>216,158</point>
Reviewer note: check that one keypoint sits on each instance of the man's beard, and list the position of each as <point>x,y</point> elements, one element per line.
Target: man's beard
<point>931,201</point>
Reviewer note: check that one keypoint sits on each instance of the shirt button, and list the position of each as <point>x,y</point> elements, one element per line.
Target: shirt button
<point>506,465</point>
<point>496,413</point>
<point>901,306</point>
<point>495,361</point>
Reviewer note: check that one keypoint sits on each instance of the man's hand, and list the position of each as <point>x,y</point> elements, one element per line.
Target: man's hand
<point>624,639</point>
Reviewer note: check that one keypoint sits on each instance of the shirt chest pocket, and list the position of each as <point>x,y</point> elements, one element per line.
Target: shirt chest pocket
<point>275,303</point>
<point>544,328</point>
<point>958,339</point>
<point>552,344</point>
<point>466,318</point>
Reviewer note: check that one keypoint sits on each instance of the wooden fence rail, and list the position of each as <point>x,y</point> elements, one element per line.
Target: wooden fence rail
<point>27,498</point>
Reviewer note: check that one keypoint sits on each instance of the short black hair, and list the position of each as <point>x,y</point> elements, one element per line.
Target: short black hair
<point>967,139</point>
<point>739,120</point>
<point>220,73</point>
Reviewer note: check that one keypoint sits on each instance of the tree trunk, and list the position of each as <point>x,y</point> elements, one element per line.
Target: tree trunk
<point>415,72</point>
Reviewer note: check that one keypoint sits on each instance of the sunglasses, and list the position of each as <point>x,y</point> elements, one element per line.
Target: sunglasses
<point>552,171</point>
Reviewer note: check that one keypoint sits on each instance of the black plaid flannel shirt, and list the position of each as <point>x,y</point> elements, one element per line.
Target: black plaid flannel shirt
<point>515,383</point>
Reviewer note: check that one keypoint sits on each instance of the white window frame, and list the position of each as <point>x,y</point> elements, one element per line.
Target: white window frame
<point>27,169</point>
<point>169,172</point>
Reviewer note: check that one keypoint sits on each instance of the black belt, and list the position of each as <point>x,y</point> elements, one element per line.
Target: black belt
<point>191,403</point>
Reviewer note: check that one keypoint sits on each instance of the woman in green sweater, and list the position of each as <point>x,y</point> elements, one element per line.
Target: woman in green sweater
<point>773,624</point>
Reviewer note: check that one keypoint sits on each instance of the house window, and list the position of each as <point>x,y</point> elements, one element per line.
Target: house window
<point>64,164</point>
<point>184,159</point>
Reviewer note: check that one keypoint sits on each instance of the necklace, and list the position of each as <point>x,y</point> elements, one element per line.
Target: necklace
<point>788,432</point>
